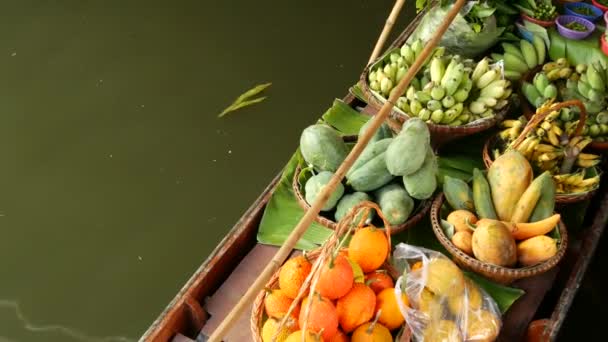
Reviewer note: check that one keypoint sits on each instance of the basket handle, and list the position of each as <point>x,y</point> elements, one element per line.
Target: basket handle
<point>542,114</point>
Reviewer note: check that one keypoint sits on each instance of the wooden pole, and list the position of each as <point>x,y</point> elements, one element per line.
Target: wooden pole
<point>323,196</point>
<point>388,26</point>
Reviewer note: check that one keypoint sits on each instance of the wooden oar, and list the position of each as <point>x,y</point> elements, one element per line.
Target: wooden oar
<point>323,196</point>
<point>388,26</point>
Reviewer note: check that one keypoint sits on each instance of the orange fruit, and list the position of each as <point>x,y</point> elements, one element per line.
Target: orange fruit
<point>390,316</point>
<point>323,317</point>
<point>369,248</point>
<point>277,303</point>
<point>370,332</point>
<point>293,274</point>
<point>356,308</point>
<point>296,336</point>
<point>271,326</point>
<point>417,265</point>
<point>379,281</point>
<point>336,278</point>
<point>340,336</point>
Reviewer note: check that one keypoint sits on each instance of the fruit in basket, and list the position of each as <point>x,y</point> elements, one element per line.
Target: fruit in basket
<point>422,183</point>
<point>340,336</point>
<point>493,243</point>
<point>482,196</point>
<point>461,219</point>
<point>322,316</point>
<point>315,184</point>
<point>405,155</point>
<point>442,331</point>
<point>277,304</point>
<point>463,240</point>
<point>458,194</point>
<point>526,204</point>
<point>444,278</point>
<point>383,132</point>
<point>356,307</point>
<point>293,274</point>
<point>370,172</point>
<point>522,231</point>
<point>471,297</point>
<point>390,314</point>
<point>373,149</point>
<point>546,203</point>
<point>395,203</point>
<point>271,327</point>
<point>482,326</point>
<point>509,176</point>
<point>369,248</point>
<point>371,332</point>
<point>322,147</point>
<point>519,58</point>
<point>296,336</point>
<point>349,201</point>
<point>336,278</point>
<point>379,280</point>
<point>536,250</point>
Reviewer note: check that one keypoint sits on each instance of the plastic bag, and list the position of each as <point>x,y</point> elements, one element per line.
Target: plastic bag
<point>460,38</point>
<point>444,305</point>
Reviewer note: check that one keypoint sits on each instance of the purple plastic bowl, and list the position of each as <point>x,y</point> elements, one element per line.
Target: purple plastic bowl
<point>564,20</point>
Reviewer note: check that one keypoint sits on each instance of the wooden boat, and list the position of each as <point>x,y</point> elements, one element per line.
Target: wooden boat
<point>221,280</point>
<point>218,284</point>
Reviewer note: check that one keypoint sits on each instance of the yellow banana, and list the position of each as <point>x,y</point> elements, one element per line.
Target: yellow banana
<point>589,182</point>
<point>556,129</point>
<point>531,147</point>
<point>552,137</point>
<point>582,144</point>
<point>546,125</point>
<point>587,163</point>
<point>575,140</point>
<point>587,156</point>
<point>524,145</point>
<point>547,156</point>
<point>511,123</point>
<point>515,131</point>
<point>546,148</point>
<point>505,134</point>
<point>540,132</point>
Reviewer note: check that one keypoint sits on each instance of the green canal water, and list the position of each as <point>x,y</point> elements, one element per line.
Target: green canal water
<point>118,179</point>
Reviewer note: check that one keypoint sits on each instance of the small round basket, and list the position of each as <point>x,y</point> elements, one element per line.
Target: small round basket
<point>543,23</point>
<point>503,275</point>
<point>493,142</point>
<point>417,215</point>
<point>318,257</point>
<point>564,20</point>
<point>603,8</point>
<point>570,9</point>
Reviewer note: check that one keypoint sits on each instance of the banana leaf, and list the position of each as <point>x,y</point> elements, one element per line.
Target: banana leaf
<point>582,51</point>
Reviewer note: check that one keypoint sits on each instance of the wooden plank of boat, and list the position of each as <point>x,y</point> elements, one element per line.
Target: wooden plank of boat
<point>217,285</point>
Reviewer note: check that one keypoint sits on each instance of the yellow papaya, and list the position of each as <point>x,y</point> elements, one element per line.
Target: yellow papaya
<point>530,197</point>
<point>509,177</point>
<point>536,250</point>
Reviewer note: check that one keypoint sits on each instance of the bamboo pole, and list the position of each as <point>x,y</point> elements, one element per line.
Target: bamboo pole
<point>388,26</point>
<point>323,196</point>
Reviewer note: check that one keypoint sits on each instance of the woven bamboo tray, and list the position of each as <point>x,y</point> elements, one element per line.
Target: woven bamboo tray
<point>499,274</point>
<point>417,215</point>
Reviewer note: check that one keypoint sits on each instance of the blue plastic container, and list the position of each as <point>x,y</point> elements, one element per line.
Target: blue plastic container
<point>569,9</point>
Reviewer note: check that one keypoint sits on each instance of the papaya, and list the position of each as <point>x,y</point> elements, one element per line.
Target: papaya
<point>382,133</point>
<point>406,153</point>
<point>369,152</point>
<point>536,250</point>
<point>395,203</point>
<point>315,184</point>
<point>371,175</point>
<point>422,183</point>
<point>493,243</point>
<point>458,194</point>
<point>322,147</point>
<point>482,197</point>
<point>348,201</point>
<point>546,203</point>
<point>530,197</point>
<point>509,177</point>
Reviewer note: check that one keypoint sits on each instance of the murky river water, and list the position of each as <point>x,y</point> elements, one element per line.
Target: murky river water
<point>117,178</point>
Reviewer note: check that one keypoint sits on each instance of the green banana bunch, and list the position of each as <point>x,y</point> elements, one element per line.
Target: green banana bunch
<point>519,59</point>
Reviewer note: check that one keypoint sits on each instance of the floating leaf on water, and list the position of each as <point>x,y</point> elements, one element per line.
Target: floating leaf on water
<point>244,99</point>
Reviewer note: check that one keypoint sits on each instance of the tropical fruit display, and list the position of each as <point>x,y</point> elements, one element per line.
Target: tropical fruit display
<point>449,90</point>
<point>444,304</point>
<point>551,147</point>
<point>353,300</point>
<point>559,81</point>
<point>522,56</point>
<point>505,217</point>
<point>395,171</point>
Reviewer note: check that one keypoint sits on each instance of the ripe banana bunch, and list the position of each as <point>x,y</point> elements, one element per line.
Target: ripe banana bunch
<point>519,59</point>
<point>387,73</point>
<point>494,92</point>
<point>575,183</point>
<point>560,69</point>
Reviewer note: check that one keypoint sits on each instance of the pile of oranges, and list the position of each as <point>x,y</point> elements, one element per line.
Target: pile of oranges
<point>354,298</point>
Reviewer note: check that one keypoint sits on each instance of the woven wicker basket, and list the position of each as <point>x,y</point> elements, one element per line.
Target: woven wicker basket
<point>258,309</point>
<point>560,199</point>
<point>417,215</point>
<point>499,274</point>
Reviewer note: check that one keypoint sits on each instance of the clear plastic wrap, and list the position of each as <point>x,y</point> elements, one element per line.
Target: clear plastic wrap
<point>445,305</point>
<point>460,38</point>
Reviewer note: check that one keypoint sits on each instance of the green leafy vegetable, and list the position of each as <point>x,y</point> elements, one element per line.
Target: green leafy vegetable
<point>245,100</point>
